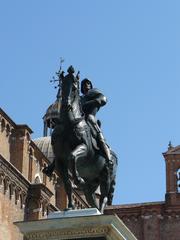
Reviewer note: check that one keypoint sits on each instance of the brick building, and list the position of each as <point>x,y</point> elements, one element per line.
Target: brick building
<point>27,194</point>
<point>156,220</point>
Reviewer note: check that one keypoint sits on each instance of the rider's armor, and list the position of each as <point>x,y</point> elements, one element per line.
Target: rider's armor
<point>91,103</point>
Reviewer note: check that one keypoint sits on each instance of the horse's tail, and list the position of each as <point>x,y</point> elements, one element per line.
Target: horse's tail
<point>113,178</point>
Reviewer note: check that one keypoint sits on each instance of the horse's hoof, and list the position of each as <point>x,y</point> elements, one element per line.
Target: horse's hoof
<point>103,205</point>
<point>70,207</point>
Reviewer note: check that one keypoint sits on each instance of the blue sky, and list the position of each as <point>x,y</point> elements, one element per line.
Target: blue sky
<point>129,49</point>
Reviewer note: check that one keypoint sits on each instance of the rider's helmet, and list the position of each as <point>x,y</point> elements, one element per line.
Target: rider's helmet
<point>83,82</point>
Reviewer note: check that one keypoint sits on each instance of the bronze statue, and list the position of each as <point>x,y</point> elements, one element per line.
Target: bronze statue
<point>78,143</point>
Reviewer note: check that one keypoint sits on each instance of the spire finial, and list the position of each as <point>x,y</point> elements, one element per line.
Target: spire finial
<point>60,75</point>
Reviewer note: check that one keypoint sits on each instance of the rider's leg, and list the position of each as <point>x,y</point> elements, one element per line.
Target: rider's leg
<point>105,148</point>
<point>101,140</point>
<point>79,152</point>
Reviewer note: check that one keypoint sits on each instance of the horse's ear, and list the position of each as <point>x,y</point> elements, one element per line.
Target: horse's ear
<point>62,75</point>
<point>78,75</point>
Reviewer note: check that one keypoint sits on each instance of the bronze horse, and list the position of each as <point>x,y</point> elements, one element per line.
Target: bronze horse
<point>73,148</point>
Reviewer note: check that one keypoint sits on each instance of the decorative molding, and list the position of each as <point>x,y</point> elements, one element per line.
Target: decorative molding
<point>66,233</point>
<point>13,174</point>
<point>107,226</point>
<point>11,177</point>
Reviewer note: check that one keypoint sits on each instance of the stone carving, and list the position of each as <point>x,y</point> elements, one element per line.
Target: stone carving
<point>63,234</point>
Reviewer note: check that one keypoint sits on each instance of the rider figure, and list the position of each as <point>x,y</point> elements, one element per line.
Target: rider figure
<point>91,100</point>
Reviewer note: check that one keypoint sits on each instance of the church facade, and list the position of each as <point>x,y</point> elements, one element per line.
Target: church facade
<point>27,194</point>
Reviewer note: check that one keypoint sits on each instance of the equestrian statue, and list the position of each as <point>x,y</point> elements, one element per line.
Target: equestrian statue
<point>79,145</point>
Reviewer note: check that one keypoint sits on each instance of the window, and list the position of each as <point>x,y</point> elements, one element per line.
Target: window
<point>37,180</point>
<point>2,125</point>
<point>178,180</point>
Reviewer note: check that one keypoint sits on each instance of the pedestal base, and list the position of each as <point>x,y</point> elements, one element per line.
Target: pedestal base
<point>94,227</point>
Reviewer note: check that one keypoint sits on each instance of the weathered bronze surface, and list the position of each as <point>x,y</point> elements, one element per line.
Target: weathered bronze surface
<point>79,145</point>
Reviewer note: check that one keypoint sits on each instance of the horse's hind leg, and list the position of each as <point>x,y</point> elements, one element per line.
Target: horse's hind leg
<point>104,188</point>
<point>111,191</point>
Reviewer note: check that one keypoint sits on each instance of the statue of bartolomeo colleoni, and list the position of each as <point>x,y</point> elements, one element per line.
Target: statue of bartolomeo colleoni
<point>78,143</point>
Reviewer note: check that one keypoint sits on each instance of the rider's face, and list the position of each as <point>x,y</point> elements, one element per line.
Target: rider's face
<point>86,87</point>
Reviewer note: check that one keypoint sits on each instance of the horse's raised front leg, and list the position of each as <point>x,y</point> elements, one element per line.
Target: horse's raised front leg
<point>79,152</point>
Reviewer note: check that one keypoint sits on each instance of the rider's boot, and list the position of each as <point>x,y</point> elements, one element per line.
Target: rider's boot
<point>101,141</point>
<point>105,149</point>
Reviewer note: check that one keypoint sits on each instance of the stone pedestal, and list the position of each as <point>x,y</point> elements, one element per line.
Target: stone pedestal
<point>86,224</point>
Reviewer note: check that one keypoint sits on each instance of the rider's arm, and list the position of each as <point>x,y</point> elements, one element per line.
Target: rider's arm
<point>99,97</point>
<point>98,102</point>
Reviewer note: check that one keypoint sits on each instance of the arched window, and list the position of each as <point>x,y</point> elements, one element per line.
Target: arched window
<point>21,201</point>
<point>17,194</point>
<point>178,180</point>
<point>37,179</point>
<point>11,190</point>
<point>8,130</point>
<point>2,125</point>
<point>6,185</point>
<point>44,175</point>
<point>1,178</point>
<point>27,136</point>
<point>44,208</point>
<point>30,164</point>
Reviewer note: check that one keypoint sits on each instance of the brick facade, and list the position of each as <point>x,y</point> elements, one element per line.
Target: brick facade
<point>160,220</point>
<point>25,192</point>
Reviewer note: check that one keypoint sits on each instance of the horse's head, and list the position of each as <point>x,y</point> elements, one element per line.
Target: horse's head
<point>69,87</point>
